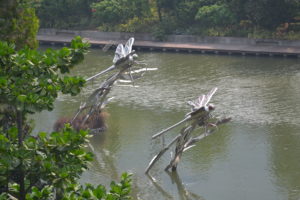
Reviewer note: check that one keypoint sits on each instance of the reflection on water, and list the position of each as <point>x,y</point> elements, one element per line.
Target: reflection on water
<point>285,159</point>
<point>256,156</point>
<point>183,193</point>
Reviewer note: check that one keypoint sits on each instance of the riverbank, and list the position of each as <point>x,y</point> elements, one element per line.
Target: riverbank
<point>178,43</point>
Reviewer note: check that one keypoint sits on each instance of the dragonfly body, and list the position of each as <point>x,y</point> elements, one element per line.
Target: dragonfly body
<point>200,112</point>
<point>123,59</point>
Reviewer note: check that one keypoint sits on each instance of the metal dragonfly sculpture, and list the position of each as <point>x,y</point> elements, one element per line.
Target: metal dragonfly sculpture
<point>127,69</point>
<point>124,58</point>
<point>199,116</point>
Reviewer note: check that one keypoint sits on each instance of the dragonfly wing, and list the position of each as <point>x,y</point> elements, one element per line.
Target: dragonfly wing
<point>128,46</point>
<point>120,53</point>
<point>200,101</point>
<point>209,95</point>
<point>196,104</point>
<point>191,103</point>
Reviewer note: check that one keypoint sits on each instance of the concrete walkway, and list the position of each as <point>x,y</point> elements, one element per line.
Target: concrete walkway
<point>258,50</point>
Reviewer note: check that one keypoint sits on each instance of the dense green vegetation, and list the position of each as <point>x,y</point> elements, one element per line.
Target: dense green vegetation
<point>261,18</point>
<point>18,22</point>
<point>48,165</point>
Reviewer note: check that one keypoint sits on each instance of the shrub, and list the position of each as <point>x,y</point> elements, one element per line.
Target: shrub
<point>214,15</point>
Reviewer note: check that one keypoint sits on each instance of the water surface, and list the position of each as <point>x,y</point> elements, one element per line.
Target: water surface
<point>256,156</point>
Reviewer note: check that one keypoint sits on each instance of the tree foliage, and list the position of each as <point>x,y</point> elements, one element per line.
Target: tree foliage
<point>65,13</point>
<point>110,11</point>
<point>30,80</point>
<point>265,13</point>
<point>47,165</point>
<point>52,165</point>
<point>119,11</point>
<point>30,83</point>
<point>18,22</point>
<point>227,17</point>
<point>214,15</point>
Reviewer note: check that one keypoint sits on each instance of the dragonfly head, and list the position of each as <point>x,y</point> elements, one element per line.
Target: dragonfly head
<point>132,57</point>
<point>210,107</point>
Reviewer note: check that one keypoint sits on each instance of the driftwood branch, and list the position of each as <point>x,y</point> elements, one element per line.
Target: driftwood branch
<point>191,142</point>
<point>156,157</point>
<point>123,63</point>
<point>169,128</point>
<point>198,117</point>
<point>166,194</point>
<point>185,137</point>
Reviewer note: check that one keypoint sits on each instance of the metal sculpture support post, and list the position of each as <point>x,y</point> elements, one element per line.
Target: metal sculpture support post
<point>200,116</point>
<point>127,70</point>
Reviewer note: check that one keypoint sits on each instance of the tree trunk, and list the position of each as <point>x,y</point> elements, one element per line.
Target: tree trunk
<point>20,142</point>
<point>159,13</point>
<point>157,5</point>
<point>20,127</point>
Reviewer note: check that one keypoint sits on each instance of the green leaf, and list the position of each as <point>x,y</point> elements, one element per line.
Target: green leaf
<point>3,81</point>
<point>42,135</point>
<point>22,98</point>
<point>99,192</point>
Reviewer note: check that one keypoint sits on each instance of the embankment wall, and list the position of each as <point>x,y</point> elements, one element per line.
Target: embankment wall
<point>98,35</point>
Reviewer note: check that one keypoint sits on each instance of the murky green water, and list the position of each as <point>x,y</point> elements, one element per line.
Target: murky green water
<point>256,156</point>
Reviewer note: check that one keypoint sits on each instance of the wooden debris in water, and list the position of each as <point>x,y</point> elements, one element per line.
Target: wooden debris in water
<point>126,67</point>
<point>200,116</point>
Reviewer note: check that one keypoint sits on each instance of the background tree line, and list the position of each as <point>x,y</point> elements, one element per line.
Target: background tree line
<point>252,18</point>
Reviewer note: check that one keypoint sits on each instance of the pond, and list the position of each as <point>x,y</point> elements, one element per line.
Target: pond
<point>255,156</point>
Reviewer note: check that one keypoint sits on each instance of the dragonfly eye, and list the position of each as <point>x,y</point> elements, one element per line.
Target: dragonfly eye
<point>211,107</point>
